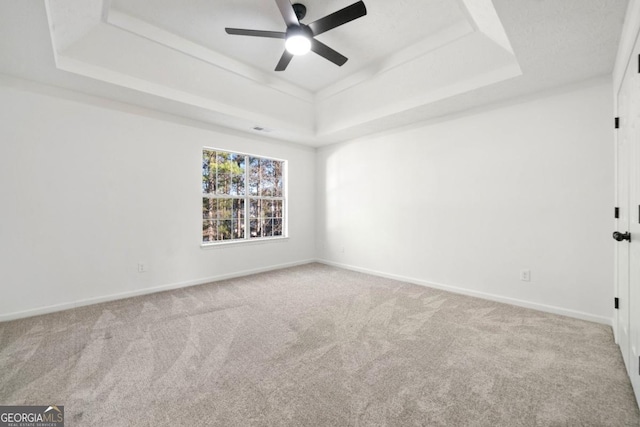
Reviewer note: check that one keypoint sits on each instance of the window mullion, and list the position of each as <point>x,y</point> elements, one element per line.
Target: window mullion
<point>247,231</point>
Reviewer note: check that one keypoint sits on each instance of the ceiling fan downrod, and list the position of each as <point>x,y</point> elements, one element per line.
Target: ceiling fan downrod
<point>300,10</point>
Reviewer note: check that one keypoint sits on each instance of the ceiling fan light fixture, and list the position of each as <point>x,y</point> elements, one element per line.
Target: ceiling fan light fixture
<point>297,44</point>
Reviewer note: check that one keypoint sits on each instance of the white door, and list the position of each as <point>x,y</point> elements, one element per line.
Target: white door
<point>631,86</point>
<point>622,226</point>
<point>628,200</point>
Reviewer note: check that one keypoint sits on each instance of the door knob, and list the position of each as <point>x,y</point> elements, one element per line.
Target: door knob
<point>621,236</point>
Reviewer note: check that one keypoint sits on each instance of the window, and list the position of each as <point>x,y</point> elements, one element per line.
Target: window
<point>242,197</point>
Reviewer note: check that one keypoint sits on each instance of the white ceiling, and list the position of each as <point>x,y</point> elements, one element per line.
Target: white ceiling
<point>409,61</point>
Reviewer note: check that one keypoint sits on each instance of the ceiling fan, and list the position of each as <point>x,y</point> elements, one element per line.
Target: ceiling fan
<point>300,38</point>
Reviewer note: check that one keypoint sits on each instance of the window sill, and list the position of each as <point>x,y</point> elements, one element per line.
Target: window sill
<point>228,243</point>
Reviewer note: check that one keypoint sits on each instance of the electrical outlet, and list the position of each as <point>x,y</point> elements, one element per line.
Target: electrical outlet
<point>142,267</point>
<point>525,275</point>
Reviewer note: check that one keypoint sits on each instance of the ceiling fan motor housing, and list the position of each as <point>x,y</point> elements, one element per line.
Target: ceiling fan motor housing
<point>302,30</point>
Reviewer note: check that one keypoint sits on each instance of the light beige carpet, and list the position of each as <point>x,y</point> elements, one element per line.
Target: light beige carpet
<point>315,346</point>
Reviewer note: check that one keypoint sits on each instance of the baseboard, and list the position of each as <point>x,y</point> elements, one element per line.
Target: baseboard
<point>492,297</point>
<point>201,281</point>
<point>113,297</point>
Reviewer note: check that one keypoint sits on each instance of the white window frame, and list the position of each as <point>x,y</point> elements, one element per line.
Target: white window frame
<point>247,239</point>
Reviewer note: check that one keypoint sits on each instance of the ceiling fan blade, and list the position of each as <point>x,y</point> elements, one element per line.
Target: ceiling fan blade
<point>256,33</point>
<point>338,18</point>
<point>328,53</point>
<point>289,15</point>
<point>284,61</point>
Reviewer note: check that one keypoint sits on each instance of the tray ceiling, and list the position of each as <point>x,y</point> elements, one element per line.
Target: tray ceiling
<point>409,60</point>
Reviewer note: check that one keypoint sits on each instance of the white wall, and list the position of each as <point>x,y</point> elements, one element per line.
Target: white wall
<point>88,189</point>
<point>467,203</point>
